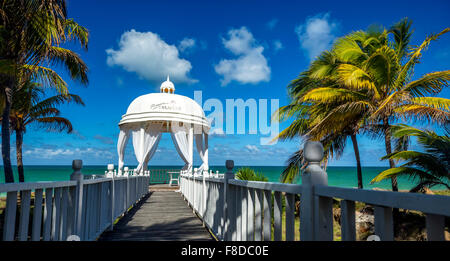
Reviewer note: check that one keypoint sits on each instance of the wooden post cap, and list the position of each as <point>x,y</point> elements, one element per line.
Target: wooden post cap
<point>110,167</point>
<point>77,165</point>
<point>313,151</point>
<point>229,164</point>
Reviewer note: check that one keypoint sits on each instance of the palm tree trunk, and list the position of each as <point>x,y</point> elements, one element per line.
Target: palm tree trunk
<point>387,141</point>
<point>6,137</point>
<point>358,161</point>
<point>19,142</point>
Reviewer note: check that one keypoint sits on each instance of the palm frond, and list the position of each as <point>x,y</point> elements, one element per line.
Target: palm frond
<point>72,61</point>
<point>429,84</point>
<point>47,77</point>
<point>55,124</point>
<point>402,171</point>
<point>293,166</point>
<point>402,36</point>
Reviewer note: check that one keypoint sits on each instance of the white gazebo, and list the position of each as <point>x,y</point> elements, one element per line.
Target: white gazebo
<point>150,115</point>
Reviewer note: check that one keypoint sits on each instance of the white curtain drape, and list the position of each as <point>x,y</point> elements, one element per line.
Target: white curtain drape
<point>181,141</point>
<point>201,143</point>
<point>121,145</point>
<point>145,140</point>
<point>151,153</point>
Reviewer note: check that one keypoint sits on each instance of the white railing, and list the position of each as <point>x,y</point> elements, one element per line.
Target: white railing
<point>81,207</point>
<point>247,210</point>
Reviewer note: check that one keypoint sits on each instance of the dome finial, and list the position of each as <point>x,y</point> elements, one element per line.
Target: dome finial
<point>167,86</point>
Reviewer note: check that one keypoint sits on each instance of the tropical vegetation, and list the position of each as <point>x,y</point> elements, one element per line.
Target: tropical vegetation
<point>32,33</point>
<point>29,106</point>
<point>362,86</point>
<point>429,167</point>
<point>246,173</point>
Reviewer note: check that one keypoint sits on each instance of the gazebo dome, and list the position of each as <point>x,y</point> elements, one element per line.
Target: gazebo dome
<point>148,116</point>
<point>165,107</point>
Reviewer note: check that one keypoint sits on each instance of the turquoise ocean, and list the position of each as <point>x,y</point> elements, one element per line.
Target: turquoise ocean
<point>337,176</point>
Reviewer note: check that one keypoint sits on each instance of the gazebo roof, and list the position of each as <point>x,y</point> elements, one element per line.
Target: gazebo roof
<point>166,107</point>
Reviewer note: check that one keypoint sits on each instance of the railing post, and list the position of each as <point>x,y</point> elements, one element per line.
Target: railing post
<point>228,202</point>
<point>204,198</point>
<point>127,199</point>
<point>78,176</point>
<point>315,211</point>
<point>111,175</point>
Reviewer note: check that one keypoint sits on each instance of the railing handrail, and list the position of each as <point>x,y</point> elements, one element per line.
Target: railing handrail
<point>430,204</point>
<point>272,186</point>
<point>10,187</point>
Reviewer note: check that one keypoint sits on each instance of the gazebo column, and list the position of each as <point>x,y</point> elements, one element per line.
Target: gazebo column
<point>142,147</point>
<point>205,156</point>
<point>191,147</point>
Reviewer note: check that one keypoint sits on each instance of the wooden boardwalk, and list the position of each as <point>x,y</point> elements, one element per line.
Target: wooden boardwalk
<point>162,216</point>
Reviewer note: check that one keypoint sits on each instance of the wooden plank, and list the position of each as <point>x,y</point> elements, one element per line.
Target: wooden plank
<point>102,206</point>
<point>244,207</point>
<point>24,215</point>
<point>71,210</point>
<point>64,210</point>
<point>277,211</point>
<point>232,213</point>
<point>92,217</point>
<point>11,187</point>
<point>290,217</point>
<point>180,224</point>
<point>10,216</point>
<point>37,215</point>
<point>48,209</point>
<point>431,204</point>
<point>239,213</point>
<point>56,214</point>
<point>323,219</point>
<point>267,215</point>
<point>258,214</point>
<point>251,215</point>
<point>435,227</point>
<point>384,225</point>
<point>84,214</point>
<point>280,187</point>
<point>348,228</point>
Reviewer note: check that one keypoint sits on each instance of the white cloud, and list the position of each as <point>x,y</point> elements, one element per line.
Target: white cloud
<point>251,148</point>
<point>150,57</point>
<point>250,66</point>
<point>316,34</point>
<point>186,44</point>
<point>277,45</point>
<point>52,153</point>
<point>272,23</point>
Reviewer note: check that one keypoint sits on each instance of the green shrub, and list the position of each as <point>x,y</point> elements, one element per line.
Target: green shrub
<point>250,174</point>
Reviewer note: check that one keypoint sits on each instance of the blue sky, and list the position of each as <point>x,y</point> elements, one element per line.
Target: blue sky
<point>205,46</point>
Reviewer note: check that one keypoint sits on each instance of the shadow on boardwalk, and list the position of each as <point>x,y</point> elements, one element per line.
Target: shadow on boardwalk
<point>161,216</point>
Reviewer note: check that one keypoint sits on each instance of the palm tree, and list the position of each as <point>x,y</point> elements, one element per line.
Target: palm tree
<point>429,168</point>
<point>380,74</point>
<point>29,107</point>
<point>364,84</point>
<point>373,81</point>
<point>31,32</point>
<point>318,117</point>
